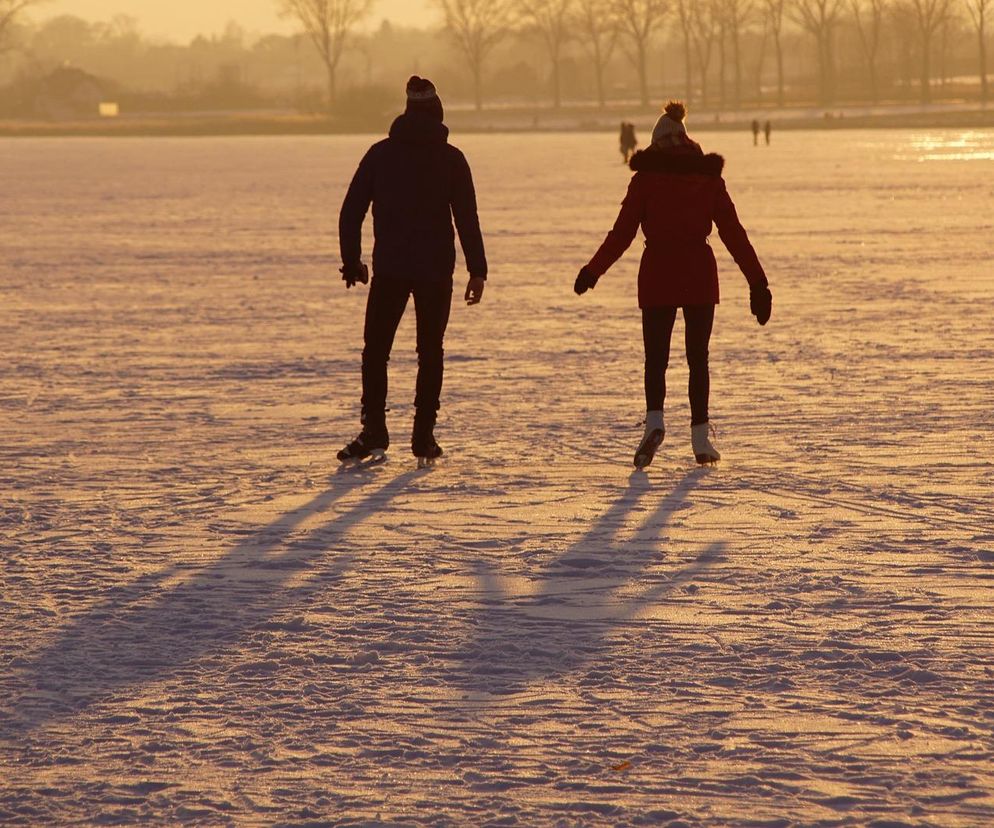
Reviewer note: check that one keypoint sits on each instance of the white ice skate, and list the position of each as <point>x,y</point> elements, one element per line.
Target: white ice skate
<point>651,440</point>
<point>704,450</point>
<point>426,450</point>
<point>369,448</point>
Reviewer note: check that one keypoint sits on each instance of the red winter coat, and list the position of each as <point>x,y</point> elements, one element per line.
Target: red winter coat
<point>675,195</point>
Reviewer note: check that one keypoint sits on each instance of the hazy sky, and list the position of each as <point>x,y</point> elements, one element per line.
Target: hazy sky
<point>182,19</point>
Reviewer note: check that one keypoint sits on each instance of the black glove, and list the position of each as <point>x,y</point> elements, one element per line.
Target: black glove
<point>761,304</point>
<point>352,273</point>
<point>585,281</point>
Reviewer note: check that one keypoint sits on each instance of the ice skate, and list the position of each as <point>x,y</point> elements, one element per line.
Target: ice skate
<point>423,444</point>
<point>651,440</point>
<point>370,446</point>
<point>704,450</point>
<point>428,456</point>
<point>427,452</point>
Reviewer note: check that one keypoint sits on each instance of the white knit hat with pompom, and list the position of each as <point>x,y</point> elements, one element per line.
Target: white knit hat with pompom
<point>670,129</point>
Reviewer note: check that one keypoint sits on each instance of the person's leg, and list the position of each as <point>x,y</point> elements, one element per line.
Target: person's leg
<point>699,322</point>
<point>384,310</point>
<point>432,303</point>
<point>657,328</point>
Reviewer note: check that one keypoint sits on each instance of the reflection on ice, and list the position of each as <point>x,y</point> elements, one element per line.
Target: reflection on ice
<point>974,145</point>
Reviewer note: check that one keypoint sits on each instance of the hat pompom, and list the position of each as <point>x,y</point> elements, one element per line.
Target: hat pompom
<point>676,110</point>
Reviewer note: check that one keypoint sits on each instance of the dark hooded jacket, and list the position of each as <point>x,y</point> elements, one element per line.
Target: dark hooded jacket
<point>676,195</point>
<point>417,183</point>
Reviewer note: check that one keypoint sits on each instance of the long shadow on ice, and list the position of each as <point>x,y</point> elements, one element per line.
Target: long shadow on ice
<point>147,629</point>
<point>582,598</point>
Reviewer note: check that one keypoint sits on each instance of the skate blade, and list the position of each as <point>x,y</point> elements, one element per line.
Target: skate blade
<point>647,452</point>
<point>427,462</point>
<point>374,458</point>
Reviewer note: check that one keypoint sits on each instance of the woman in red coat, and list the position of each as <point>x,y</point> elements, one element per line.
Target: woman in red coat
<point>676,195</point>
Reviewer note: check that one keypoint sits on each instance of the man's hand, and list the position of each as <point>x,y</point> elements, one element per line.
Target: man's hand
<point>474,290</point>
<point>352,273</point>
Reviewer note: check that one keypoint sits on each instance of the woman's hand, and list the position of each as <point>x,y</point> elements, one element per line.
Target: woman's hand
<point>761,304</point>
<point>585,281</point>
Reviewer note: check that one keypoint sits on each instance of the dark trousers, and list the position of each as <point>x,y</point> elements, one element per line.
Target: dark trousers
<point>657,328</point>
<point>384,310</point>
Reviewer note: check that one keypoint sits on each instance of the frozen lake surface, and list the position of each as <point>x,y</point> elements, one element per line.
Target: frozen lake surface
<point>201,621</point>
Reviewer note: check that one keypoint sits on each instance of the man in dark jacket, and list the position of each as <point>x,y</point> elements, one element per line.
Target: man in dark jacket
<point>417,183</point>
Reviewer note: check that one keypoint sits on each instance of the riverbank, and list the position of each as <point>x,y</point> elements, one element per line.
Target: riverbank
<point>508,119</point>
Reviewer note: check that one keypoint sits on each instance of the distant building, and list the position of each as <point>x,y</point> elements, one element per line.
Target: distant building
<point>69,93</point>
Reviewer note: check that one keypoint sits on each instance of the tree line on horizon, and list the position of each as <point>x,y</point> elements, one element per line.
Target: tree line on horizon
<point>717,54</point>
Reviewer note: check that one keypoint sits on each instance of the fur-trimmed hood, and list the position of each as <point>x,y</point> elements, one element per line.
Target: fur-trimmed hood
<point>677,163</point>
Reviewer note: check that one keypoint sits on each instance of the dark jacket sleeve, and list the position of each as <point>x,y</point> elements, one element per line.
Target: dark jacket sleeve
<point>735,238</point>
<point>354,210</point>
<point>623,232</point>
<point>467,218</point>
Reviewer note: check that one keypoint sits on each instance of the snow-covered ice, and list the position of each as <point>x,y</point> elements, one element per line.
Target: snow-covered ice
<point>202,621</point>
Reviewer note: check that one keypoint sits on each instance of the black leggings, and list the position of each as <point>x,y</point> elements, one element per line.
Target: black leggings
<point>657,328</point>
<point>384,309</point>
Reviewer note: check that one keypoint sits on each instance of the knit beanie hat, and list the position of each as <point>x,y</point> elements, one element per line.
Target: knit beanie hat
<point>423,97</point>
<point>669,130</point>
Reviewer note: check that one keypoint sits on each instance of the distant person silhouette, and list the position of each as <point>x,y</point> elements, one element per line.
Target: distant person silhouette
<point>755,133</point>
<point>628,141</point>
<point>417,183</point>
<point>676,194</point>
<point>768,131</point>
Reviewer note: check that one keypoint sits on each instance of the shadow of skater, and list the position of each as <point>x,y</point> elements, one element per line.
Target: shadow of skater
<point>592,590</point>
<point>146,630</point>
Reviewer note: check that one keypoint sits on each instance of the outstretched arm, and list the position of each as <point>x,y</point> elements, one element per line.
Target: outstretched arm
<point>353,213</point>
<point>467,220</point>
<point>623,232</point>
<point>735,238</point>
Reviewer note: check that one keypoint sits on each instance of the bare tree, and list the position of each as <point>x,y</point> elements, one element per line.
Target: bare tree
<point>10,11</point>
<point>978,14</point>
<point>597,27</point>
<point>639,20</point>
<point>704,26</point>
<point>761,58</point>
<point>685,14</point>
<point>734,15</point>
<point>552,20</point>
<point>477,27</point>
<point>819,18</point>
<point>929,17</point>
<point>775,15</point>
<point>902,26</point>
<point>328,23</point>
<point>869,16</point>
<point>944,38</point>
<point>722,30</point>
